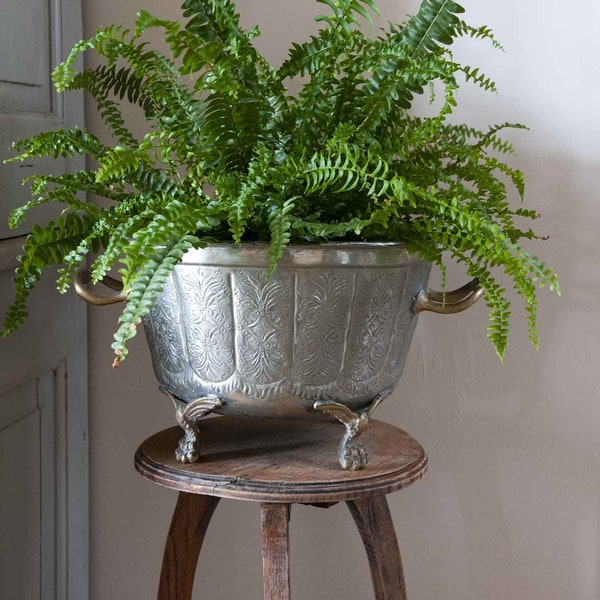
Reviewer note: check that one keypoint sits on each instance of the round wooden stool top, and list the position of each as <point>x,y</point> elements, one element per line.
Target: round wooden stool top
<point>276,460</point>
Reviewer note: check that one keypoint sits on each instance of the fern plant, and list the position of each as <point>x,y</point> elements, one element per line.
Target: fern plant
<point>229,153</point>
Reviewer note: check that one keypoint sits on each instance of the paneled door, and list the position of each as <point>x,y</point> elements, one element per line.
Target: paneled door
<point>43,379</point>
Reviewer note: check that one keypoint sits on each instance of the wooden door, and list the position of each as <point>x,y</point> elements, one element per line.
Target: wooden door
<point>43,384</point>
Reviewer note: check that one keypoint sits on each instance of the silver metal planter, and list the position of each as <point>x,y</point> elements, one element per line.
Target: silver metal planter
<point>329,332</point>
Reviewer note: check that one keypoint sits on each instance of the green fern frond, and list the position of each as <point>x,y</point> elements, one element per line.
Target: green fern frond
<point>175,220</point>
<point>76,257</point>
<point>230,153</point>
<point>122,81</point>
<point>348,13</point>
<point>344,170</point>
<point>479,78</point>
<point>64,73</point>
<point>435,23</point>
<point>144,289</point>
<point>215,19</point>
<point>280,224</point>
<point>118,161</point>
<point>231,125</point>
<point>153,181</point>
<point>395,80</point>
<point>499,312</point>
<point>481,33</point>
<point>60,142</point>
<point>119,236</point>
<point>197,44</point>
<point>539,271</point>
<point>45,246</point>
<point>309,57</point>
<point>312,231</point>
<point>65,190</point>
<point>108,109</point>
<point>239,212</point>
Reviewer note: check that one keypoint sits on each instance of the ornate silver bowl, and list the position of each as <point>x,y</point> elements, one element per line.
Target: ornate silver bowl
<point>328,331</point>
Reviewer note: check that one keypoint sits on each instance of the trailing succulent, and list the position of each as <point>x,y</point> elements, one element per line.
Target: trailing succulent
<point>231,154</point>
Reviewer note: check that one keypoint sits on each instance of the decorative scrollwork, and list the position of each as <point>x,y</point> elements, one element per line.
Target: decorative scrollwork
<point>207,304</point>
<point>187,415</point>
<point>264,325</point>
<point>164,332</point>
<point>276,345</point>
<point>324,302</point>
<point>351,453</point>
<point>378,299</point>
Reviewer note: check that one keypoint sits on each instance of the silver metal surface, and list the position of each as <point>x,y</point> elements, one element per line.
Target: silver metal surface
<point>351,453</point>
<point>187,415</point>
<point>327,332</point>
<point>333,322</point>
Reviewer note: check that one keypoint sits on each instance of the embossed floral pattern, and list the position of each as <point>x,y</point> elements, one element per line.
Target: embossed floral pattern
<point>207,305</point>
<point>304,334</point>
<point>164,332</point>
<point>405,322</point>
<point>324,301</point>
<point>376,307</point>
<point>264,320</point>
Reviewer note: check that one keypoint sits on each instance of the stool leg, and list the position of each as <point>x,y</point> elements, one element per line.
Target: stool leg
<point>374,522</point>
<point>275,550</point>
<point>188,527</point>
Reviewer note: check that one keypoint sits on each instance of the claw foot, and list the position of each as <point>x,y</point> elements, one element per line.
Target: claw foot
<point>351,454</point>
<point>187,415</point>
<point>187,451</point>
<point>353,457</point>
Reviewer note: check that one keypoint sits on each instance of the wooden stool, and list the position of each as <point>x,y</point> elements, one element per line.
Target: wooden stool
<point>278,463</point>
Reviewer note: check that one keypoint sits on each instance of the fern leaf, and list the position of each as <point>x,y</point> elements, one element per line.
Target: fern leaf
<point>143,291</point>
<point>45,246</point>
<point>347,13</point>
<point>280,226</point>
<point>118,161</point>
<point>482,32</point>
<point>435,23</point>
<point>65,190</point>
<point>213,19</point>
<point>233,126</point>
<point>60,142</point>
<point>64,72</point>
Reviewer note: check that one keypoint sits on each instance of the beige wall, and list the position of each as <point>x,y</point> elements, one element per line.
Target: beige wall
<point>510,507</point>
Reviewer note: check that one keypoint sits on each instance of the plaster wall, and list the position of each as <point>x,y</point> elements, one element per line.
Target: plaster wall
<point>510,507</point>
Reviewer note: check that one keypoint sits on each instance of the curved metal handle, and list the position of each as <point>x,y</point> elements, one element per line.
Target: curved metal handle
<point>84,276</point>
<point>447,303</point>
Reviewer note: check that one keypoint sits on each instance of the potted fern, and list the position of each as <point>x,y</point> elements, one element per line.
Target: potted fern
<point>249,187</point>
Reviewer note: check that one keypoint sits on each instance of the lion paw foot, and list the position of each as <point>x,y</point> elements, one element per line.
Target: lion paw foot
<point>354,457</point>
<point>187,451</point>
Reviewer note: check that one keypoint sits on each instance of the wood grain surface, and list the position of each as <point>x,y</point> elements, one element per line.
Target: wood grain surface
<point>275,519</point>
<point>277,460</point>
<point>376,528</point>
<point>184,541</point>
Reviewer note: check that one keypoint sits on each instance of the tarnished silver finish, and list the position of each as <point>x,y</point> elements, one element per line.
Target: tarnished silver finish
<point>328,332</point>
<point>188,414</point>
<point>351,453</point>
<point>332,322</point>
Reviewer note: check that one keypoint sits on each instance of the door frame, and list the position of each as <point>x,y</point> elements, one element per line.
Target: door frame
<point>73,447</point>
<point>65,456</point>
<point>69,442</point>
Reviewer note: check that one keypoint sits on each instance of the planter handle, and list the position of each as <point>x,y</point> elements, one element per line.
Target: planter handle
<point>447,303</point>
<point>84,276</point>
